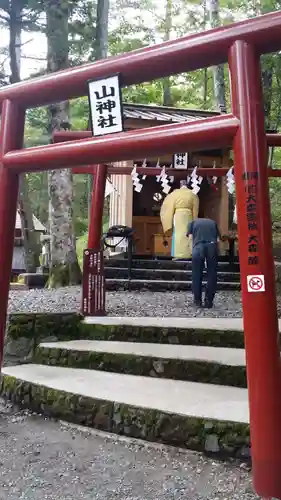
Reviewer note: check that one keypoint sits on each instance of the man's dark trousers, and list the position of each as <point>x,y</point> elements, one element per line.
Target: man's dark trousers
<point>202,252</point>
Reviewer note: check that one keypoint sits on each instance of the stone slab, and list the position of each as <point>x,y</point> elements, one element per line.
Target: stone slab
<point>162,285</point>
<point>188,399</point>
<point>220,355</point>
<point>218,324</point>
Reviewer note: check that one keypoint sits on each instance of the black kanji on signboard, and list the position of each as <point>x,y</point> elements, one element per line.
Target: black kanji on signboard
<point>180,158</point>
<point>105,122</point>
<point>105,93</point>
<point>108,105</point>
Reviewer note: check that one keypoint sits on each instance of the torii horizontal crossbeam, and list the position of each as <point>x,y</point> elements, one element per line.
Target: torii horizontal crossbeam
<point>210,133</point>
<point>273,140</point>
<point>188,53</point>
<point>178,174</point>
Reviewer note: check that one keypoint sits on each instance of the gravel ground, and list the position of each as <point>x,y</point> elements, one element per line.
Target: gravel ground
<point>227,304</point>
<point>43,459</point>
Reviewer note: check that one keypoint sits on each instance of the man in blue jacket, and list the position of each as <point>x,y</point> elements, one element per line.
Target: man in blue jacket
<point>205,236</point>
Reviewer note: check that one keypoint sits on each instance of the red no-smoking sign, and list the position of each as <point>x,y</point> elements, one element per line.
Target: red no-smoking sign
<point>256,283</point>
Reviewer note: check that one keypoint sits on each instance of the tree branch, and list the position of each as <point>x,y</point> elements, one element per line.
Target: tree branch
<point>33,58</point>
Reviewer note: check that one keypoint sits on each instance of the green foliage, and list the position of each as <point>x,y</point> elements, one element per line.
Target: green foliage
<point>135,24</point>
<point>82,241</point>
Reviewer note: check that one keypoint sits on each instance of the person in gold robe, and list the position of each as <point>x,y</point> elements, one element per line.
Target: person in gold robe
<point>178,209</point>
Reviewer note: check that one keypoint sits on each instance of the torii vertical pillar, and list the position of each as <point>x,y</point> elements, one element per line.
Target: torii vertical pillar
<point>93,290</point>
<point>97,204</point>
<point>11,137</point>
<point>256,259</point>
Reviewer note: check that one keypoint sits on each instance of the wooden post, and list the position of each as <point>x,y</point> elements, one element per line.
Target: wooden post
<point>11,137</point>
<point>257,270</point>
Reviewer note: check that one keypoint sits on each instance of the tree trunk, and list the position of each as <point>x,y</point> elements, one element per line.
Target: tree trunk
<point>30,243</point>
<point>15,29</point>
<point>64,268</point>
<point>218,71</point>
<point>167,96</point>
<point>267,80</point>
<point>30,240</point>
<point>102,29</point>
<point>205,73</point>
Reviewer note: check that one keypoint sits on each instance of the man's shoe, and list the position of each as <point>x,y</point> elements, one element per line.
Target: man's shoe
<point>197,303</point>
<point>208,305</point>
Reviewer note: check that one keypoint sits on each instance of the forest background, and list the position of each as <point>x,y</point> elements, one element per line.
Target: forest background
<point>67,33</point>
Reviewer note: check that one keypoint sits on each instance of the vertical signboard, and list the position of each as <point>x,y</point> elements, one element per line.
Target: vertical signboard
<point>93,301</point>
<point>105,106</point>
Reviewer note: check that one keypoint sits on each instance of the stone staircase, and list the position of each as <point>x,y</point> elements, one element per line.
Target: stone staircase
<point>164,274</point>
<point>171,380</point>
<point>155,274</point>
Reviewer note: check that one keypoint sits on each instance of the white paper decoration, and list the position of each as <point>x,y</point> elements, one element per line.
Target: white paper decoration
<point>163,179</point>
<point>109,188</point>
<point>136,180</point>
<point>235,215</point>
<point>195,182</point>
<point>230,182</point>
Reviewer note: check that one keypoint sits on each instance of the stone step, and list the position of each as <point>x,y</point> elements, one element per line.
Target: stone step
<point>215,332</point>
<point>18,286</point>
<point>165,264</point>
<point>223,366</point>
<point>162,285</point>
<point>199,416</point>
<point>165,274</point>
<point>34,280</point>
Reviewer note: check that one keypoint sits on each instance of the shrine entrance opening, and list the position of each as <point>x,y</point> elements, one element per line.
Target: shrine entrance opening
<point>240,44</point>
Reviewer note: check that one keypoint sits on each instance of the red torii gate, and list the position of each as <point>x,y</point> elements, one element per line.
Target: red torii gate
<point>241,44</point>
<point>102,170</point>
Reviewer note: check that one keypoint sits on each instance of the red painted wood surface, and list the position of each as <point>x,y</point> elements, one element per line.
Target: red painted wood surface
<point>243,42</point>
<point>96,214</point>
<point>196,135</point>
<point>11,136</point>
<point>187,53</point>
<point>256,259</point>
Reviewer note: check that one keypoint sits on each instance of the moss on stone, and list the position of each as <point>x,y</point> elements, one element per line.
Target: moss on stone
<point>40,325</point>
<point>64,326</point>
<point>70,326</point>
<point>184,336</point>
<point>26,331</point>
<point>64,275</point>
<point>177,369</point>
<point>21,325</point>
<point>145,423</point>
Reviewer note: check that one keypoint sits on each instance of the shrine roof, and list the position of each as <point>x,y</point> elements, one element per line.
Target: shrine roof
<point>164,113</point>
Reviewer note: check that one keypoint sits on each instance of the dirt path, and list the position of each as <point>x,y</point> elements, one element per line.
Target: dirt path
<point>42,459</point>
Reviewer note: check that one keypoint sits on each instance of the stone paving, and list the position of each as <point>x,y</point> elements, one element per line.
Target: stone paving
<point>42,459</point>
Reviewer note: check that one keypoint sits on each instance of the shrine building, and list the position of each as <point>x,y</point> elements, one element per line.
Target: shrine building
<point>141,210</point>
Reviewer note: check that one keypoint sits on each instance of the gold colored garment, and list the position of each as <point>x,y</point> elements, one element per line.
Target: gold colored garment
<point>178,209</point>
